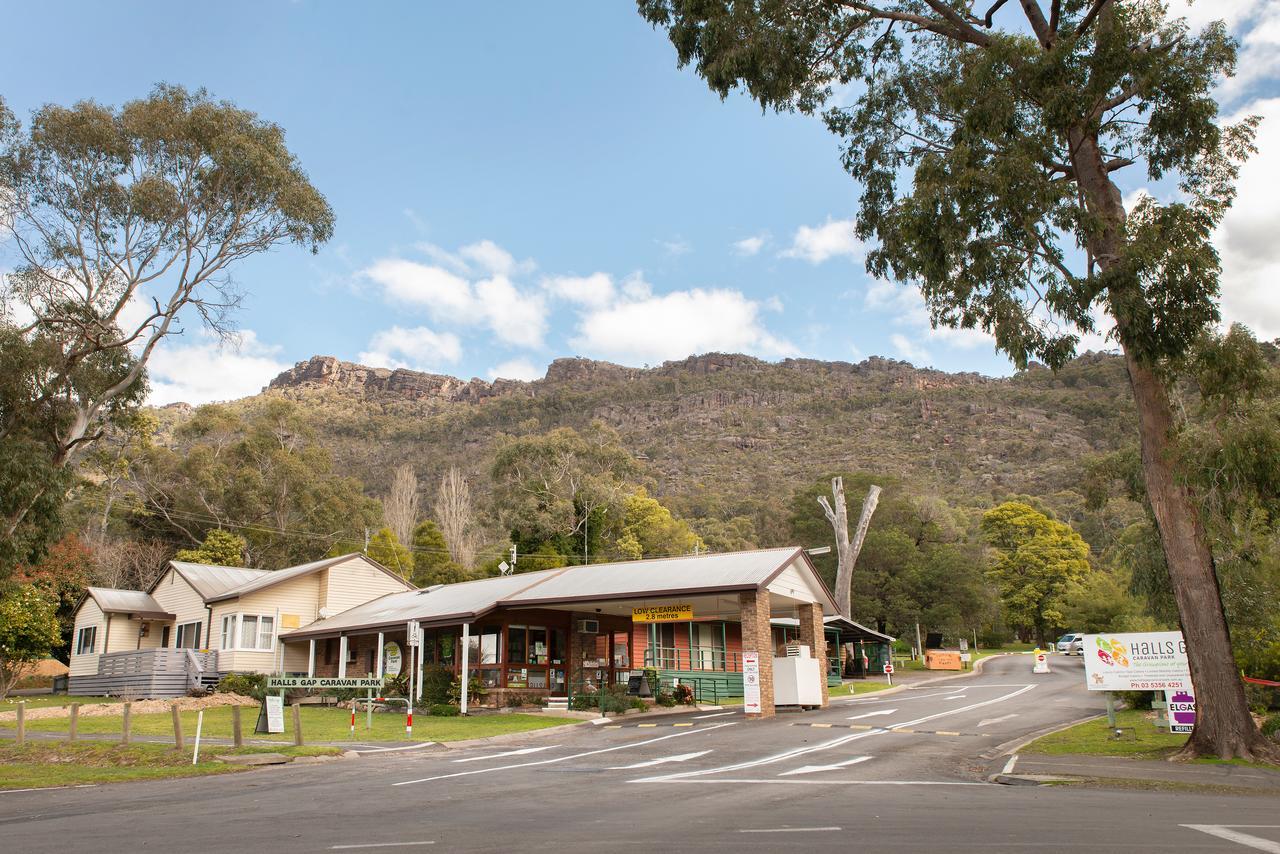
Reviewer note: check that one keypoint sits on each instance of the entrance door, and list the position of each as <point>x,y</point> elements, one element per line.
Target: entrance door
<point>706,639</point>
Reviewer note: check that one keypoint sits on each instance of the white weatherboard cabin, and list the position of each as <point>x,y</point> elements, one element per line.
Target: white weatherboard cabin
<point>198,623</point>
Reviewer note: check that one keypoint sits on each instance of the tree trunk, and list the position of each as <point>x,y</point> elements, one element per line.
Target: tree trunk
<point>846,551</point>
<point>1224,727</point>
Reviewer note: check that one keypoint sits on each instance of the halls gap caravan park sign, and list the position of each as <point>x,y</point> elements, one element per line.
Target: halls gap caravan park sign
<point>1137,661</point>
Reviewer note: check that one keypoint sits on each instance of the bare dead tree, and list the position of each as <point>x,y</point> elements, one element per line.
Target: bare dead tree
<point>456,518</point>
<point>847,551</point>
<point>400,509</point>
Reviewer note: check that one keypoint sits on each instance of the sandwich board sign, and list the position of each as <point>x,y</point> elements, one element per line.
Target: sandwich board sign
<point>751,683</point>
<point>271,715</point>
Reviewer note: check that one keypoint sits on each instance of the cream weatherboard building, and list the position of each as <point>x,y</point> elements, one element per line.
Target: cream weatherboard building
<point>199,622</point>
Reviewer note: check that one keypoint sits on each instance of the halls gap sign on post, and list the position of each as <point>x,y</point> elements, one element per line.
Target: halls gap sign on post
<point>319,682</point>
<point>662,614</point>
<point>751,683</point>
<point>1137,661</point>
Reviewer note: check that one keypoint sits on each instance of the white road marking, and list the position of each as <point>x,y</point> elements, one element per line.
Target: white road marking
<point>1008,766</point>
<point>381,845</point>
<point>790,830</point>
<point>836,742</point>
<point>48,788</point>
<point>1226,831</point>
<point>898,698</point>
<point>683,757</point>
<point>521,752</point>
<point>713,715</point>
<point>958,697</point>
<point>393,749</point>
<point>813,769</point>
<point>680,734</point>
<point>873,714</point>
<point>997,720</point>
<point>774,781</point>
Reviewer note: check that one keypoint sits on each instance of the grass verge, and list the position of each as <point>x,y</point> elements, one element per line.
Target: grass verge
<point>44,764</point>
<point>858,687</point>
<point>1093,738</point>
<point>319,724</point>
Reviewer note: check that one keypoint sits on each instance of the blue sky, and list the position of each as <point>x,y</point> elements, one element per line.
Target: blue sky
<point>518,182</point>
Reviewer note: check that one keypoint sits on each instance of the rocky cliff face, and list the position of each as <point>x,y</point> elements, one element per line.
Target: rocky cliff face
<point>320,372</point>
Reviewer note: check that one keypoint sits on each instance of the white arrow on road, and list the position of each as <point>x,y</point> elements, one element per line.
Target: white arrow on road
<point>997,720</point>
<point>813,769</point>
<point>683,757</point>
<point>873,714</point>
<point>521,752</point>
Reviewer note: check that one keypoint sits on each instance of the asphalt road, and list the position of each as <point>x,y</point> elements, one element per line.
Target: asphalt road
<point>879,773</point>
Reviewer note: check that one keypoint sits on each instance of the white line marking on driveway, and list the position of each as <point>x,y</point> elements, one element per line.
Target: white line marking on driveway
<point>393,749</point>
<point>997,720</point>
<point>774,781</point>
<point>836,742</point>
<point>521,752</point>
<point>958,697</point>
<point>1226,831</point>
<point>570,756</point>
<point>381,845</point>
<point>813,769</point>
<point>790,830</point>
<point>873,714</point>
<point>1008,766</point>
<point>713,715</point>
<point>48,788</point>
<point>683,757</point>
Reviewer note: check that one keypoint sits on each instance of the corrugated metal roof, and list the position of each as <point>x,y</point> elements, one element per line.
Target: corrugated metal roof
<point>466,599</point>
<point>736,570</point>
<point>113,601</point>
<point>211,581</point>
<point>625,580</point>
<point>282,575</point>
<point>845,626</point>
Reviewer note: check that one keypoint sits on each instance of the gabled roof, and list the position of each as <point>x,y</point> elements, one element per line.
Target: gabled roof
<point>850,631</point>
<point>219,583</point>
<point>134,602</point>
<point>637,579</point>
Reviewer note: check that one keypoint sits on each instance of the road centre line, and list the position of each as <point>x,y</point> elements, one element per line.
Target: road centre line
<point>789,829</point>
<point>836,742</point>
<point>680,734</point>
<point>381,845</point>
<point>1227,832</point>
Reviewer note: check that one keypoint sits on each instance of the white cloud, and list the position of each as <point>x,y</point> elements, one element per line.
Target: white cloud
<point>1246,240</point>
<point>492,258</point>
<point>517,369</point>
<point>419,349</point>
<point>207,370</point>
<point>678,246</point>
<point>675,325</point>
<point>749,245</point>
<point>819,243</point>
<point>595,291</point>
<point>910,350</point>
<point>635,287</point>
<point>516,316</point>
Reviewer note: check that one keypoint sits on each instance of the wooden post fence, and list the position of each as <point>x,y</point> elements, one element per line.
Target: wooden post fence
<point>297,725</point>
<point>74,723</point>
<point>22,721</point>
<point>126,722</point>
<point>177,727</point>
<point>237,734</point>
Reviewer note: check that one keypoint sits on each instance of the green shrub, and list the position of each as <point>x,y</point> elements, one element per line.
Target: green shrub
<point>476,691</point>
<point>444,710</point>
<point>1271,727</point>
<point>683,694</point>
<point>245,684</point>
<point>436,682</point>
<point>665,698</point>
<point>1136,699</point>
<point>637,703</point>
<point>396,686</point>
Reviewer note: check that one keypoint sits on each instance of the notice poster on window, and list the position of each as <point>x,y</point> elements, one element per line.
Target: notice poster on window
<point>751,682</point>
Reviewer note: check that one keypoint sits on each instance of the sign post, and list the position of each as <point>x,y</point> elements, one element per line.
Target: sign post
<point>411,638</point>
<point>888,671</point>
<point>751,683</point>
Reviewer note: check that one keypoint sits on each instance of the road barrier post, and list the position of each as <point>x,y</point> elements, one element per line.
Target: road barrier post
<point>195,756</point>
<point>237,734</point>
<point>74,722</point>
<point>297,724</point>
<point>177,727</point>
<point>126,722</point>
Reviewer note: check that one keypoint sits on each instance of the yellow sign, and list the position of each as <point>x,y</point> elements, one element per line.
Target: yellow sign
<point>289,621</point>
<point>662,614</point>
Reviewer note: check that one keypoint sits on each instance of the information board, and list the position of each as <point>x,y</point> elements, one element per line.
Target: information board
<point>662,614</point>
<point>275,713</point>
<point>391,659</point>
<point>1136,661</point>
<point>751,683</point>
<point>317,682</point>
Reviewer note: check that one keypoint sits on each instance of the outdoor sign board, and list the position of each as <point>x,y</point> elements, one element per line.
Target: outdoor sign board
<point>323,682</point>
<point>1182,710</point>
<point>1137,661</point>
<point>964,645</point>
<point>662,614</point>
<point>275,713</point>
<point>391,659</point>
<point>412,631</point>
<point>888,668</point>
<point>751,683</point>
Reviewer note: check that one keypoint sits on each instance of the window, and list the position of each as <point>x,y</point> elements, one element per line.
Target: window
<point>188,636</point>
<point>255,632</point>
<point>86,638</point>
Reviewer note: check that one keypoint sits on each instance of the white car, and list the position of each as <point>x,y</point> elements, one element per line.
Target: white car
<point>1071,644</point>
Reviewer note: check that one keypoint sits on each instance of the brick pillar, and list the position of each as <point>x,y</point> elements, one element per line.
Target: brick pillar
<point>813,635</point>
<point>756,637</point>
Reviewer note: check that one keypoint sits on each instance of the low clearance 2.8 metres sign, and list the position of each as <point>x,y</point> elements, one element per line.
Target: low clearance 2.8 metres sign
<point>1136,661</point>
<point>662,614</point>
